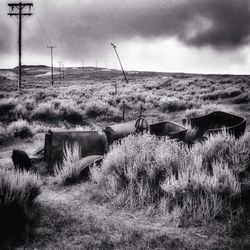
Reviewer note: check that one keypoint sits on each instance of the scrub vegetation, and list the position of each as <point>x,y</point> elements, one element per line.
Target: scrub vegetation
<point>18,190</point>
<point>148,193</point>
<point>69,172</point>
<point>193,186</point>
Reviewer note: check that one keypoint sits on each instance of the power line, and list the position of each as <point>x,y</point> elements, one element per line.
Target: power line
<point>36,39</point>
<point>43,29</point>
<point>20,7</point>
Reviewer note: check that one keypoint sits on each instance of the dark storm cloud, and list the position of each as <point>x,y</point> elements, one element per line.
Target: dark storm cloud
<point>89,26</point>
<point>229,23</point>
<point>5,38</point>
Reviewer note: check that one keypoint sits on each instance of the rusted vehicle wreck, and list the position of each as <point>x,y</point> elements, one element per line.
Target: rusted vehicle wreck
<point>218,121</point>
<point>97,143</point>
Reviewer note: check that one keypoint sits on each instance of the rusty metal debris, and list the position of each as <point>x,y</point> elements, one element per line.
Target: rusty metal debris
<point>94,143</point>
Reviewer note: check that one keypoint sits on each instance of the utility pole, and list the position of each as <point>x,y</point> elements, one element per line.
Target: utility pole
<point>82,65</point>
<point>60,70</point>
<point>63,70</point>
<point>96,62</point>
<point>51,47</point>
<point>20,7</point>
<point>114,46</point>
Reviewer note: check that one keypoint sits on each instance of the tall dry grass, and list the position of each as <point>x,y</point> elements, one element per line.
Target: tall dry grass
<point>69,172</point>
<point>190,185</point>
<point>18,190</point>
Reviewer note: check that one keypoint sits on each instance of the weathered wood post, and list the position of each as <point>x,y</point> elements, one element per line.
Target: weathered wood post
<point>141,107</point>
<point>123,110</point>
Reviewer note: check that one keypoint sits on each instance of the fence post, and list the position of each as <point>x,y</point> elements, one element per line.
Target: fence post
<point>141,110</point>
<point>123,110</point>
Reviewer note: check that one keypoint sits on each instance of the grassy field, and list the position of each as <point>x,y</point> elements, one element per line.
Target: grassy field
<point>129,207</point>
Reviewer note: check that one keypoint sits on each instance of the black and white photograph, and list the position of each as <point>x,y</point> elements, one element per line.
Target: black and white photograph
<point>124,124</point>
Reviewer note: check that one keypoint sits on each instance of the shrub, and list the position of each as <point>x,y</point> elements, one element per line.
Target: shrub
<point>172,104</point>
<point>206,109</point>
<point>96,108</point>
<point>7,108</point>
<point>134,168</point>
<point>71,113</point>
<point>3,134</point>
<point>18,191</point>
<point>69,172</point>
<point>24,109</point>
<point>227,149</point>
<point>7,105</point>
<point>56,111</point>
<point>200,197</point>
<point>228,93</point>
<point>241,99</point>
<point>193,185</point>
<point>45,112</point>
<point>20,128</point>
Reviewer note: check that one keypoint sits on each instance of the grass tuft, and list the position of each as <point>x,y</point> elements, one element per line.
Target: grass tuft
<point>206,109</point>
<point>57,111</point>
<point>69,172</point>
<point>18,190</point>
<point>172,104</point>
<point>20,128</point>
<point>192,185</point>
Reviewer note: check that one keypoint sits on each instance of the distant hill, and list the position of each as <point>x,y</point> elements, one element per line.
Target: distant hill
<point>32,67</point>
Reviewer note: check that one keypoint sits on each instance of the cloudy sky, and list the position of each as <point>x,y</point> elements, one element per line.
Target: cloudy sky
<point>203,36</point>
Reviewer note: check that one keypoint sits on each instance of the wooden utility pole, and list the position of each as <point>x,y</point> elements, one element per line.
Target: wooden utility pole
<point>63,70</point>
<point>51,47</point>
<point>82,65</point>
<point>60,69</point>
<point>20,7</point>
<point>123,110</point>
<point>141,109</point>
<point>114,46</point>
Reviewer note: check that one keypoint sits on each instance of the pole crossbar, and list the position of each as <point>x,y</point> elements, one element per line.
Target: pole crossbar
<point>17,14</point>
<point>22,4</point>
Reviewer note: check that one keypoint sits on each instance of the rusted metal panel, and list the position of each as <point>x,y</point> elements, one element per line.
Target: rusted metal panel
<point>216,121</point>
<point>90,143</point>
<point>167,128</point>
<point>86,163</point>
<point>119,131</point>
<point>97,143</point>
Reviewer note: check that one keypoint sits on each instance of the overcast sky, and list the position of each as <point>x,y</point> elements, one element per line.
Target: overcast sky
<point>203,36</point>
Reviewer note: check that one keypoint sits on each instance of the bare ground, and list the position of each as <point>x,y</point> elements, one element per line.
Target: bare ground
<point>70,219</point>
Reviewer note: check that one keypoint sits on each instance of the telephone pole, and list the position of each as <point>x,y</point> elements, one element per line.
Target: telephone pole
<point>63,70</point>
<point>51,47</point>
<point>20,7</point>
<point>82,65</point>
<point>114,46</point>
<point>60,69</point>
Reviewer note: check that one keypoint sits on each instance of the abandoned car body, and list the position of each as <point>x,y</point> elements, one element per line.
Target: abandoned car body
<point>97,143</point>
<point>218,121</point>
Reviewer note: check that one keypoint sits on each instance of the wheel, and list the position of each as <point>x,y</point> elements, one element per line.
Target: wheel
<point>141,125</point>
